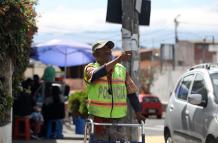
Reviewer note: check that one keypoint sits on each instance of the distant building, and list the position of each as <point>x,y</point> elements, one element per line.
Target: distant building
<point>149,58</point>
<point>190,53</point>
<point>187,54</point>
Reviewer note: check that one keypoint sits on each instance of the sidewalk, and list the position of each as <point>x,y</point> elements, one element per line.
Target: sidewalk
<point>68,132</point>
<point>71,137</point>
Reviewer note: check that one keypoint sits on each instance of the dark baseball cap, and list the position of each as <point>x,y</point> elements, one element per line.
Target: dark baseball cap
<point>101,44</point>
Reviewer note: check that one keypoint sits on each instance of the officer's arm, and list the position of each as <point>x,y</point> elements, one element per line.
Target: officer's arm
<point>98,73</point>
<point>134,101</point>
<point>123,57</point>
<point>110,65</point>
<point>106,68</point>
<point>136,106</point>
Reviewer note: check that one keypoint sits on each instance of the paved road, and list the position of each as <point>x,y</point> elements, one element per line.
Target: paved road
<point>154,127</point>
<point>154,134</point>
<point>154,130</point>
<point>154,139</point>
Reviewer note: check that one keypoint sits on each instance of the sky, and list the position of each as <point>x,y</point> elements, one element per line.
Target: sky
<point>84,21</point>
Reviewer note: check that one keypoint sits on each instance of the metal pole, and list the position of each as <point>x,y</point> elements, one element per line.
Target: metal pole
<point>176,40</point>
<point>130,42</point>
<point>161,58</point>
<point>176,28</point>
<point>204,51</point>
<point>174,58</point>
<point>65,71</point>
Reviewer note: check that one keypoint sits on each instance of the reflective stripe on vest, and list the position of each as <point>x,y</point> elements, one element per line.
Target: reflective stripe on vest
<point>100,101</point>
<point>106,104</point>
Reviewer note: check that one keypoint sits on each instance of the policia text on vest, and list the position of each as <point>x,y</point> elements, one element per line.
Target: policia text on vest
<point>118,92</point>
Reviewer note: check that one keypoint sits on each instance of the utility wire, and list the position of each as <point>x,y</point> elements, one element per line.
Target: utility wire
<point>154,31</point>
<point>143,37</point>
<point>187,23</point>
<point>188,33</point>
<point>166,38</point>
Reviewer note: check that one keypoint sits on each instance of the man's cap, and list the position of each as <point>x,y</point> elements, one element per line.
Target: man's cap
<point>101,44</point>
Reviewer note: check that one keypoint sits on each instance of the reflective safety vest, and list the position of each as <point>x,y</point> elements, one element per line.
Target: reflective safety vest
<point>100,100</point>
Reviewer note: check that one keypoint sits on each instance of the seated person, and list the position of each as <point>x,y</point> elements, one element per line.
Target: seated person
<point>23,101</point>
<point>36,121</point>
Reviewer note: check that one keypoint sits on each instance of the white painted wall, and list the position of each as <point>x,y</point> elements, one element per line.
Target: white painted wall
<point>6,133</point>
<point>165,82</point>
<point>185,53</point>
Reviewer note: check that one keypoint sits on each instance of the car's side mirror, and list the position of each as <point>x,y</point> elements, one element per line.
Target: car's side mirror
<point>195,99</point>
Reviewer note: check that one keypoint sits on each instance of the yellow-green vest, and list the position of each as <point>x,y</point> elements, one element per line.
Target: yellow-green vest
<point>100,101</point>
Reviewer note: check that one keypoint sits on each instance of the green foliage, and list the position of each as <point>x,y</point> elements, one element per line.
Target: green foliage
<point>77,104</point>
<point>5,104</point>
<point>5,107</point>
<point>17,26</point>
<point>146,77</point>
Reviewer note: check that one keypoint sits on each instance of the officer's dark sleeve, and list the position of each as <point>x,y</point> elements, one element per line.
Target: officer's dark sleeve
<point>98,73</point>
<point>134,101</point>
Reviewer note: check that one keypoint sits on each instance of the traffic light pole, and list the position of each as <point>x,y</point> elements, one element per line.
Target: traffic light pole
<point>130,42</point>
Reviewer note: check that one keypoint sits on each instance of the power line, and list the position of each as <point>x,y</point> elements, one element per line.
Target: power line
<point>166,38</point>
<point>154,31</point>
<point>188,23</point>
<point>188,33</point>
<point>158,36</point>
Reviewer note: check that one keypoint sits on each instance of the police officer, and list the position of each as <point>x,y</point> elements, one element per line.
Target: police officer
<point>109,85</point>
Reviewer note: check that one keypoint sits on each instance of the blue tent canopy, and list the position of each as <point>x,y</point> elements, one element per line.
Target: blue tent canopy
<point>63,53</point>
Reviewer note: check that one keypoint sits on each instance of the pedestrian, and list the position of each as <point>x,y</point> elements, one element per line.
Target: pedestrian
<point>108,86</point>
<point>35,84</point>
<point>36,120</point>
<point>54,111</point>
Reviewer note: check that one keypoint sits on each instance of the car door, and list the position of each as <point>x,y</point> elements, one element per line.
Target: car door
<point>196,114</point>
<point>177,108</point>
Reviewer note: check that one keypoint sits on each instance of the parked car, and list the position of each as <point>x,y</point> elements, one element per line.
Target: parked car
<point>151,105</point>
<point>192,111</point>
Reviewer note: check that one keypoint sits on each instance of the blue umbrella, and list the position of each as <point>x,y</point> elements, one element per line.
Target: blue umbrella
<point>63,53</point>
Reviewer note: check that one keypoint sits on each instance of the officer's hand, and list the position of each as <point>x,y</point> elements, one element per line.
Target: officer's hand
<point>125,56</point>
<point>140,117</point>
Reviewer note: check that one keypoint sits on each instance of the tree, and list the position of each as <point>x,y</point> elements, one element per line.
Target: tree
<point>17,27</point>
<point>146,77</point>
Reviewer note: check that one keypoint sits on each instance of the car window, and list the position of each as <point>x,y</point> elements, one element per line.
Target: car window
<point>199,87</point>
<point>214,78</point>
<point>150,99</point>
<point>183,88</point>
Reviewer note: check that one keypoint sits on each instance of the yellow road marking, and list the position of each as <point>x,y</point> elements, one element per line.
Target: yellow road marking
<point>154,139</point>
